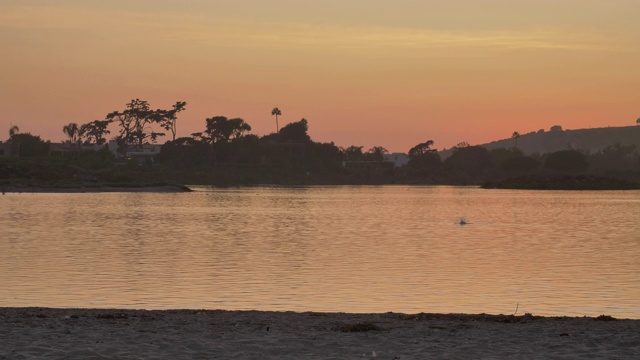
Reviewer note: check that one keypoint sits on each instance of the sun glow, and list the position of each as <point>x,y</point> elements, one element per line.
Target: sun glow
<point>367,75</point>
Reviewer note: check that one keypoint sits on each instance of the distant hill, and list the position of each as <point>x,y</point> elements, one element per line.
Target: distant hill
<point>592,140</point>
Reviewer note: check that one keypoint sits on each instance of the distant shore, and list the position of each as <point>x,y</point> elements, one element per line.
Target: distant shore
<point>181,334</point>
<point>81,189</point>
<point>567,182</point>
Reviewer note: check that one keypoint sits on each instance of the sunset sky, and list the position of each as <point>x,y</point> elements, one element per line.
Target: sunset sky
<point>363,72</point>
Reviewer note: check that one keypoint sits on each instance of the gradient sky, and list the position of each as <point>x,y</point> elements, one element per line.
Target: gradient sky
<point>363,72</point>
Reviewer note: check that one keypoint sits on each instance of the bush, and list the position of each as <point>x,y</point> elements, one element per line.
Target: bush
<point>568,161</point>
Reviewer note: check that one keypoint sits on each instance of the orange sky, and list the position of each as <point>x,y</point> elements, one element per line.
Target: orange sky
<point>363,72</point>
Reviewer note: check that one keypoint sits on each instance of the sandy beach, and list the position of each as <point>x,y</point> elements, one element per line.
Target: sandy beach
<point>37,333</point>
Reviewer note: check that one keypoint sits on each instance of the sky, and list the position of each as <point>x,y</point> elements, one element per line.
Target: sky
<point>362,72</point>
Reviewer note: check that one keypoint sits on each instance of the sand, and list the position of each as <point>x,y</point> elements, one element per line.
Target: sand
<point>44,333</point>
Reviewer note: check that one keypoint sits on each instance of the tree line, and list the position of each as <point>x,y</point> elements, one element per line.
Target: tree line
<point>226,149</point>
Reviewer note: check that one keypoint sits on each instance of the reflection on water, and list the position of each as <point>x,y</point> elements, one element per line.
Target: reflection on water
<point>352,249</point>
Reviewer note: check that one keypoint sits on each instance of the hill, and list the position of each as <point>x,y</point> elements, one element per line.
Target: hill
<point>589,140</point>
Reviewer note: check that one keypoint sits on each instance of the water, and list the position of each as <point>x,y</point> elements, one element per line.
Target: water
<point>351,249</point>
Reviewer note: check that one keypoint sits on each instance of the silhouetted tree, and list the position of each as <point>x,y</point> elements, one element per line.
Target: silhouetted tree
<point>326,158</point>
<point>519,165</point>
<point>246,149</point>
<point>15,144</point>
<point>570,161</point>
<point>295,132</point>
<point>95,131</point>
<point>133,122</point>
<point>27,145</point>
<point>614,157</point>
<point>220,134</point>
<point>221,129</point>
<point>424,162</point>
<point>354,153</point>
<point>73,132</point>
<point>376,153</point>
<point>467,165</point>
<point>14,129</point>
<point>137,119</point>
<point>169,117</point>
<point>638,121</point>
<point>500,155</point>
<point>296,143</point>
<point>421,149</point>
<point>516,136</point>
<point>277,113</point>
<point>184,152</point>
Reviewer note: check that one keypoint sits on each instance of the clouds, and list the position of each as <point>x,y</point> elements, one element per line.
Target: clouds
<point>380,38</point>
<point>214,29</point>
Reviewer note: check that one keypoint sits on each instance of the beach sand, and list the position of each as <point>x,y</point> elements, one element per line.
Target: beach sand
<point>37,333</point>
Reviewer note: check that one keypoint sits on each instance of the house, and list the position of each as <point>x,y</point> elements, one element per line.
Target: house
<point>61,149</point>
<point>398,159</point>
<point>5,149</point>
<point>64,148</point>
<point>144,155</point>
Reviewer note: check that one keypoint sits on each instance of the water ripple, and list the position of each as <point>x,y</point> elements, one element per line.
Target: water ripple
<point>356,249</point>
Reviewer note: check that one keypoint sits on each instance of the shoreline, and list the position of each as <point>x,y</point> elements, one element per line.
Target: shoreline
<point>73,190</point>
<point>119,333</point>
<point>190,188</point>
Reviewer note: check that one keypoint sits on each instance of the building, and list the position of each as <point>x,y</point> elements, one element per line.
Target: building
<point>398,159</point>
<point>5,149</point>
<point>143,155</point>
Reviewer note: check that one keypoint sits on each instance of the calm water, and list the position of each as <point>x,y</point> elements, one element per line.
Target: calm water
<point>352,249</point>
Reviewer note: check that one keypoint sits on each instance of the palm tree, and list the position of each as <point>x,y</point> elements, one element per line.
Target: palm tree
<point>276,112</point>
<point>15,144</point>
<point>73,132</point>
<point>516,135</point>
<point>14,129</point>
<point>377,153</point>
